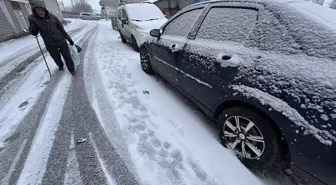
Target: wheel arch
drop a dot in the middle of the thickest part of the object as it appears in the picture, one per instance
(286, 161)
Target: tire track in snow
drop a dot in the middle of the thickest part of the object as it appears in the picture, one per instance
(5, 181)
(59, 155)
(36, 161)
(79, 115)
(26, 130)
(108, 177)
(72, 174)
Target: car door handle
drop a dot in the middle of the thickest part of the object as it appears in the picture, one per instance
(226, 57)
(174, 48)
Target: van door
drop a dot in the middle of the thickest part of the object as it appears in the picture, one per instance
(126, 27)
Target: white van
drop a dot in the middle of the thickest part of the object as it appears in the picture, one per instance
(136, 20)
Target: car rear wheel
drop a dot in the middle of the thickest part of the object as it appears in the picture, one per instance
(251, 136)
(122, 37)
(134, 44)
(145, 61)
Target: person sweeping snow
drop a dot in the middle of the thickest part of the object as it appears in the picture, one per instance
(53, 34)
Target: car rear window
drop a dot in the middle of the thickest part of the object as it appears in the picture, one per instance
(181, 25)
(233, 24)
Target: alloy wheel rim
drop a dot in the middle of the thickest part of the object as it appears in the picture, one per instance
(144, 59)
(244, 137)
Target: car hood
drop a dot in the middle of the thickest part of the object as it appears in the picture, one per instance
(148, 25)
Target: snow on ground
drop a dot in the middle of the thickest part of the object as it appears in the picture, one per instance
(12, 46)
(36, 162)
(21, 102)
(168, 141)
(14, 51)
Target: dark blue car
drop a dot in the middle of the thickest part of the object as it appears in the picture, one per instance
(265, 72)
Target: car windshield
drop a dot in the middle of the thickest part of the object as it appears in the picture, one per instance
(144, 12)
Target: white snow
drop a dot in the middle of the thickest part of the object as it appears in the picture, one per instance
(168, 142)
(143, 11)
(322, 14)
(72, 174)
(5, 180)
(109, 179)
(10, 113)
(36, 162)
(324, 136)
(13, 52)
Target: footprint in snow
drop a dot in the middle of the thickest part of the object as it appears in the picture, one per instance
(23, 105)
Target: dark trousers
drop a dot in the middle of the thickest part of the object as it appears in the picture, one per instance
(55, 53)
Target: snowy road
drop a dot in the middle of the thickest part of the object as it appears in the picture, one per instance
(110, 124)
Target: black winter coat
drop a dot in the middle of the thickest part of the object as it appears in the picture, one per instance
(50, 27)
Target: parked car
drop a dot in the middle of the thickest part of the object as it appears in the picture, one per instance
(136, 20)
(265, 72)
(86, 16)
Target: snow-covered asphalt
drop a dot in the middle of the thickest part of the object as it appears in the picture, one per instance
(110, 124)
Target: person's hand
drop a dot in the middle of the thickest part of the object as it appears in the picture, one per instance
(71, 42)
(34, 33)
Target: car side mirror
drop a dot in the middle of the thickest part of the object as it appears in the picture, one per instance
(124, 21)
(155, 33)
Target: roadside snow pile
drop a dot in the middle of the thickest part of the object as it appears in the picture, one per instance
(289, 112)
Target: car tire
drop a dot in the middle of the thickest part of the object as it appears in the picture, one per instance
(261, 141)
(145, 61)
(134, 44)
(123, 40)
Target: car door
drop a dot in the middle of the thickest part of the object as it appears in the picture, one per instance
(170, 44)
(119, 23)
(127, 28)
(211, 58)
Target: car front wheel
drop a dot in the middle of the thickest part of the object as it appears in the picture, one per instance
(251, 136)
(145, 61)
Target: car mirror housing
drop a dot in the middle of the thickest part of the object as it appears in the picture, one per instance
(155, 33)
(124, 21)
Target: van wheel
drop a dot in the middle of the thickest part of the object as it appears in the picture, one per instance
(134, 44)
(251, 136)
(122, 38)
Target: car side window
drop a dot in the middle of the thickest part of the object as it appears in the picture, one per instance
(119, 14)
(228, 24)
(181, 25)
(270, 34)
(124, 15)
